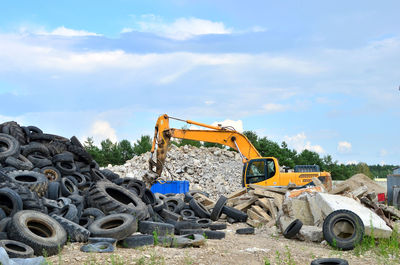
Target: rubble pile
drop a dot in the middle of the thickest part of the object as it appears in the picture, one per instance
(213, 169)
(52, 190)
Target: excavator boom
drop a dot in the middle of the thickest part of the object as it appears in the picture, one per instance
(214, 134)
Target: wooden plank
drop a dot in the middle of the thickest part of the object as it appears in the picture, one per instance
(253, 215)
(236, 193)
(253, 223)
(274, 213)
(245, 205)
(257, 209)
(268, 194)
(278, 202)
(268, 188)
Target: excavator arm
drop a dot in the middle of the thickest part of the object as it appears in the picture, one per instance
(214, 134)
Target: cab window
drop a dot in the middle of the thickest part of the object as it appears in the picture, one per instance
(255, 172)
(271, 168)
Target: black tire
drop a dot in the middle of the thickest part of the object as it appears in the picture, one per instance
(111, 176)
(35, 148)
(75, 232)
(35, 181)
(54, 191)
(39, 231)
(159, 205)
(3, 235)
(4, 224)
(45, 137)
(109, 198)
(117, 226)
(75, 141)
(102, 239)
(174, 204)
(93, 213)
(80, 179)
(329, 261)
(136, 241)
(39, 160)
(148, 197)
(15, 131)
(66, 167)
(16, 249)
(30, 199)
(99, 247)
(2, 214)
(236, 214)
(217, 226)
(136, 188)
(161, 229)
(185, 225)
(68, 187)
(20, 162)
(245, 231)
(10, 201)
(34, 130)
(214, 234)
(217, 210)
(11, 146)
(97, 175)
(81, 153)
(51, 173)
(69, 212)
(204, 222)
(344, 240)
(78, 201)
(56, 147)
(185, 213)
(189, 195)
(85, 221)
(199, 209)
(168, 215)
(292, 229)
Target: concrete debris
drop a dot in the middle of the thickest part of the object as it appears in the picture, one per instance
(217, 171)
(372, 222)
(310, 234)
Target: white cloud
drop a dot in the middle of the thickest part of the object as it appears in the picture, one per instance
(180, 29)
(351, 162)
(102, 130)
(66, 32)
(344, 147)
(383, 152)
(299, 143)
(274, 107)
(209, 102)
(237, 125)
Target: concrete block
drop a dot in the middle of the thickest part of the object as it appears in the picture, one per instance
(297, 208)
(329, 203)
(310, 234)
(315, 210)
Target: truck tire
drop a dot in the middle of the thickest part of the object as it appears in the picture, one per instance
(12, 146)
(292, 229)
(30, 200)
(343, 229)
(20, 162)
(136, 241)
(217, 226)
(35, 148)
(235, 214)
(162, 229)
(217, 210)
(16, 249)
(117, 226)
(329, 261)
(35, 181)
(38, 230)
(245, 231)
(51, 173)
(10, 201)
(75, 232)
(109, 197)
(199, 209)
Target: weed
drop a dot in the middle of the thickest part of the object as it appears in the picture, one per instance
(266, 261)
(155, 235)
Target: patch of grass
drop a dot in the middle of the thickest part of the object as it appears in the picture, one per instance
(286, 259)
(155, 235)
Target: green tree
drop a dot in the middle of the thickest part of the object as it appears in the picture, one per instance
(142, 145)
(364, 169)
(93, 150)
(126, 150)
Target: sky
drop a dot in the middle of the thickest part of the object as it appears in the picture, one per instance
(319, 75)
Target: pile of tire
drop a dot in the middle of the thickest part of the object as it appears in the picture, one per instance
(52, 190)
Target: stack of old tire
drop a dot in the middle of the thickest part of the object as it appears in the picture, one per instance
(51, 191)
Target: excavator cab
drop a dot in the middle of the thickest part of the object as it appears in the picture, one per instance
(260, 171)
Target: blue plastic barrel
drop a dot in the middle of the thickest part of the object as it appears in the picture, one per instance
(176, 186)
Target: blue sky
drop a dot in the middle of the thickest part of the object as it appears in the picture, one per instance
(319, 75)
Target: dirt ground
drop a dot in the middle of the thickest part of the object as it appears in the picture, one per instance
(263, 247)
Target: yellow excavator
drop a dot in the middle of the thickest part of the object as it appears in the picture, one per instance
(264, 171)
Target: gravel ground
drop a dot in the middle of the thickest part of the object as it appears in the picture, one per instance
(263, 247)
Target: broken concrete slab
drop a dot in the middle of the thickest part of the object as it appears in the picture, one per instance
(297, 208)
(310, 234)
(359, 191)
(236, 193)
(372, 222)
(268, 188)
(315, 210)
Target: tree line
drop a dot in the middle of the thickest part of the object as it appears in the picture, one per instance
(119, 152)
